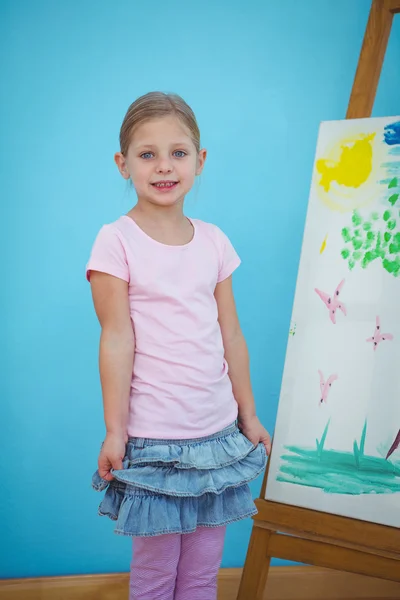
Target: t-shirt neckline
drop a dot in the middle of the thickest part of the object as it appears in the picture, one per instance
(161, 244)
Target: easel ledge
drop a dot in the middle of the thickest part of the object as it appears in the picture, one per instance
(308, 536)
(365, 548)
(319, 539)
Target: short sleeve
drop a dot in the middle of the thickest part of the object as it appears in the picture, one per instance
(228, 257)
(108, 255)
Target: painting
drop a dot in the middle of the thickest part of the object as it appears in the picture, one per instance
(336, 444)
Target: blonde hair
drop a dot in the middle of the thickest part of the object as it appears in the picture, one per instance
(155, 105)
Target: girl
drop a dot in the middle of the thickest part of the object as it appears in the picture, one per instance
(183, 439)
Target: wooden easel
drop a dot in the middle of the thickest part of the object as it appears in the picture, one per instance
(308, 536)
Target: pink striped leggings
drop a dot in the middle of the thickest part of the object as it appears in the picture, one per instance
(177, 567)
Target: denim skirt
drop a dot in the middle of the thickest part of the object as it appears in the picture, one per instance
(175, 486)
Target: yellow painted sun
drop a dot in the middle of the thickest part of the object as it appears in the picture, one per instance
(347, 176)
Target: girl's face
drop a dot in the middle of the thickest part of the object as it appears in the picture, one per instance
(161, 161)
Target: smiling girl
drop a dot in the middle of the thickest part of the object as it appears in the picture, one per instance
(182, 436)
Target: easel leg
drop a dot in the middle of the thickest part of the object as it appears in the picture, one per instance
(256, 567)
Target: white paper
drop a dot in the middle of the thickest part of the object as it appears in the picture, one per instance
(332, 373)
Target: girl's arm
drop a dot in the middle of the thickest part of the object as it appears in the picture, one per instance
(237, 357)
(111, 302)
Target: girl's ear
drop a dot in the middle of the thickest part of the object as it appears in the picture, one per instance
(120, 161)
(201, 159)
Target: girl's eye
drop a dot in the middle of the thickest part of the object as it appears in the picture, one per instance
(179, 153)
(146, 155)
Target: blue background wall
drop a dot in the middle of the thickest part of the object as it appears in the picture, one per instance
(260, 76)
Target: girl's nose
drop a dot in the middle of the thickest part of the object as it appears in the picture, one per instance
(164, 166)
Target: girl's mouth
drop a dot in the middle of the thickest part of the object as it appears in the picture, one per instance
(165, 186)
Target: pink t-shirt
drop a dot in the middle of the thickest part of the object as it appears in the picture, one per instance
(180, 386)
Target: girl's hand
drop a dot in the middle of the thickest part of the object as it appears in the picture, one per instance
(111, 455)
(255, 432)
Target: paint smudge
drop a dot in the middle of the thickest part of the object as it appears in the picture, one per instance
(378, 238)
(353, 167)
(391, 167)
(325, 386)
(378, 336)
(332, 302)
(395, 445)
(366, 244)
(323, 245)
(292, 330)
(392, 133)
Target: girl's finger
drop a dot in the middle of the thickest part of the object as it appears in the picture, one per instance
(117, 464)
(267, 444)
(104, 473)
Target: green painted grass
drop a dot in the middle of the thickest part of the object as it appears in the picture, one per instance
(320, 444)
(338, 472)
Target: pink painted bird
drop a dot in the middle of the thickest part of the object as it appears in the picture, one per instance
(325, 386)
(379, 337)
(332, 302)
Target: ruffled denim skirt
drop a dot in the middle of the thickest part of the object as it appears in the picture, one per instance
(175, 486)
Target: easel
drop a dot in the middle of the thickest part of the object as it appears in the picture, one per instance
(308, 536)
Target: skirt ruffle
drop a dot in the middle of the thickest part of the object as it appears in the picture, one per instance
(169, 486)
(139, 513)
(213, 454)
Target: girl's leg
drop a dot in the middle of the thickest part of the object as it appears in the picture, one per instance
(201, 555)
(154, 567)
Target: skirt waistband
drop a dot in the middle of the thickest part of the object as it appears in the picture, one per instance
(142, 442)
